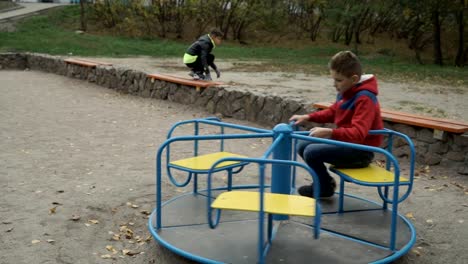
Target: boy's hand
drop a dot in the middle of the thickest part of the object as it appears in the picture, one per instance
(299, 119)
(218, 73)
(321, 132)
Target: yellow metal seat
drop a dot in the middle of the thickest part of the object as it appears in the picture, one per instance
(273, 203)
(204, 162)
(372, 174)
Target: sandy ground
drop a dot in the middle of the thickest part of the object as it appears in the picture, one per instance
(77, 171)
(413, 97)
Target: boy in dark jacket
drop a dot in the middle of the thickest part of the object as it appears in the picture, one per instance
(355, 112)
(198, 56)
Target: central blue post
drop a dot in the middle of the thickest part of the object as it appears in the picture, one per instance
(281, 174)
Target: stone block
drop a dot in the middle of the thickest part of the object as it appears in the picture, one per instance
(439, 147)
(425, 135)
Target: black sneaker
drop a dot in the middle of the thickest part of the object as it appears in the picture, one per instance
(198, 76)
(308, 190)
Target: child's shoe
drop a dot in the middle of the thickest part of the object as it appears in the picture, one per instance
(198, 76)
(325, 192)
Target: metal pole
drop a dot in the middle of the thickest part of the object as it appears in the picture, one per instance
(281, 174)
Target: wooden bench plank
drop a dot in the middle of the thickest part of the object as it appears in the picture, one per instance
(82, 63)
(448, 125)
(274, 203)
(86, 63)
(184, 81)
(94, 61)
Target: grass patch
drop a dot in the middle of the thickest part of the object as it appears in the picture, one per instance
(54, 33)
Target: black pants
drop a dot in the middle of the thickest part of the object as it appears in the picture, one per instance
(316, 154)
(197, 65)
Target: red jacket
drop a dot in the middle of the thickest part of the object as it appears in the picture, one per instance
(355, 113)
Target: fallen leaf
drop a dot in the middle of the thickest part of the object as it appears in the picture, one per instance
(129, 252)
(458, 185)
(53, 210)
(75, 217)
(416, 252)
(116, 237)
(51, 241)
(35, 241)
(93, 221)
(106, 256)
(145, 212)
(410, 215)
(135, 206)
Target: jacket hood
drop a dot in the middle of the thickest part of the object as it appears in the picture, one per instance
(367, 82)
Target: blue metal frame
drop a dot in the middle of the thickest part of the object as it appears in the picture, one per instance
(391, 161)
(284, 164)
(261, 161)
(214, 121)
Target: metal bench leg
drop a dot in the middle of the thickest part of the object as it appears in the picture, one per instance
(270, 227)
(195, 183)
(341, 197)
(393, 228)
(385, 204)
(229, 180)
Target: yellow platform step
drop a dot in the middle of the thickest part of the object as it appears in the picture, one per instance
(371, 174)
(204, 162)
(274, 203)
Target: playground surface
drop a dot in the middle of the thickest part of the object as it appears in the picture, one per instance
(78, 182)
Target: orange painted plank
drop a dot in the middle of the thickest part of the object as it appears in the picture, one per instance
(83, 63)
(450, 121)
(448, 125)
(92, 61)
(183, 81)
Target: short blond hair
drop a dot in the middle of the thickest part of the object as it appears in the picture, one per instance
(345, 63)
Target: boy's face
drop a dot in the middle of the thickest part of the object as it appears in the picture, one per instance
(343, 83)
(217, 40)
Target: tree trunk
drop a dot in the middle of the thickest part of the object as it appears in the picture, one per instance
(83, 15)
(460, 58)
(358, 30)
(436, 38)
(315, 29)
(349, 33)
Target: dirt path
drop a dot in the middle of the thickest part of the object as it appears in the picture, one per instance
(77, 171)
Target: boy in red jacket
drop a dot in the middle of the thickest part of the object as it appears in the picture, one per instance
(355, 112)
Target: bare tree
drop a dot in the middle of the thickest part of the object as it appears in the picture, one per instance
(83, 19)
(460, 58)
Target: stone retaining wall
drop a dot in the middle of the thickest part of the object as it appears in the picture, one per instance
(236, 102)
